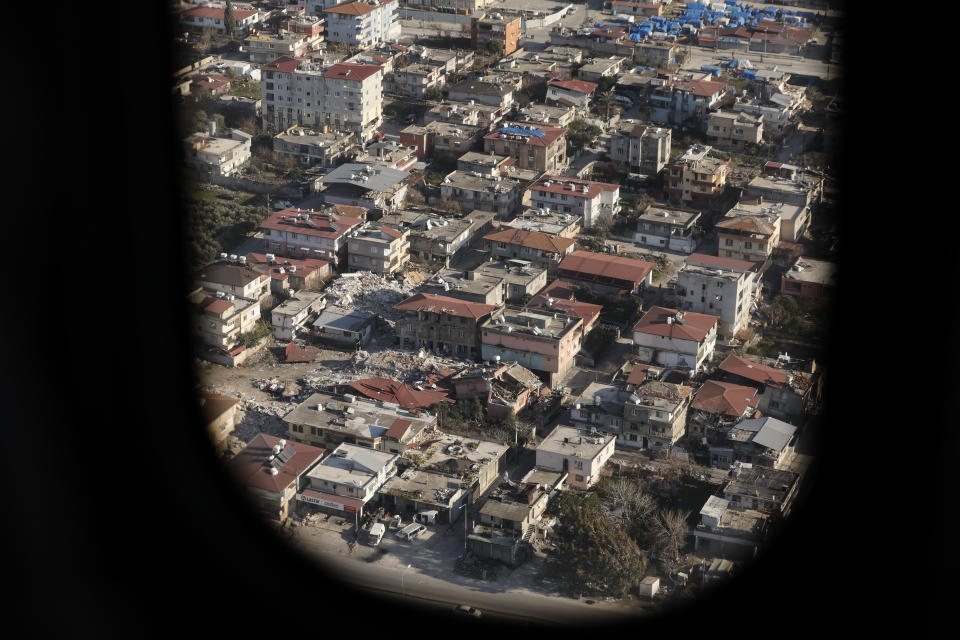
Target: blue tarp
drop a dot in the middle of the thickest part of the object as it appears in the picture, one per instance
(523, 131)
(635, 37)
(734, 63)
(750, 74)
(710, 68)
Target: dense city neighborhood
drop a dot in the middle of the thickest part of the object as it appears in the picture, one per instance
(532, 293)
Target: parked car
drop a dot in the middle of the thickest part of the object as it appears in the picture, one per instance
(411, 531)
(467, 610)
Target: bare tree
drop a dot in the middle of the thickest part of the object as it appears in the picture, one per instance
(671, 530)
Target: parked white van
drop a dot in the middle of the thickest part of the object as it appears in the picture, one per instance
(375, 535)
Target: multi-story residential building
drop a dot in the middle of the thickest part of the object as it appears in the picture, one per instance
(623, 7)
(668, 229)
(641, 148)
(444, 140)
(651, 416)
(728, 533)
(746, 236)
(370, 185)
(574, 93)
(462, 114)
(415, 80)
(489, 27)
(435, 239)
(809, 279)
(495, 94)
(718, 404)
(597, 68)
(234, 277)
(522, 279)
(506, 522)
(713, 290)
(294, 313)
(776, 117)
(442, 323)
(791, 199)
(733, 130)
(221, 318)
(212, 18)
(379, 248)
(389, 153)
(561, 296)
(471, 286)
(503, 196)
(761, 442)
(486, 164)
(553, 115)
(536, 147)
(218, 156)
(302, 24)
(782, 393)
(694, 179)
(267, 47)
(329, 420)
(605, 274)
(363, 24)
(310, 148)
(675, 338)
(761, 489)
(577, 453)
(548, 220)
(308, 234)
(687, 102)
(542, 249)
(343, 327)
(541, 341)
(220, 416)
(273, 471)
(594, 201)
(288, 274)
(348, 479)
(346, 97)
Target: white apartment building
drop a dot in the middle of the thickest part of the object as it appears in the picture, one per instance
(724, 293)
(378, 248)
(219, 156)
(346, 97)
(294, 312)
(671, 338)
(577, 453)
(363, 24)
(588, 198)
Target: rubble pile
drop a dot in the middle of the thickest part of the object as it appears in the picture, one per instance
(371, 292)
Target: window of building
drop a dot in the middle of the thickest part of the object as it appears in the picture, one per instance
(728, 242)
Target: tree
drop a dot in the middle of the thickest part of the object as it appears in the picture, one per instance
(495, 47)
(580, 134)
(607, 98)
(476, 410)
(228, 21)
(595, 554)
(671, 532)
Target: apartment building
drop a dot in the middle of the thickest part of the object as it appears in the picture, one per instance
(442, 323)
(345, 97)
(267, 47)
(790, 198)
(694, 179)
(641, 148)
(592, 200)
(687, 102)
(379, 248)
(308, 234)
(415, 80)
(575, 452)
(542, 249)
(363, 24)
(293, 314)
(500, 195)
(273, 471)
(810, 280)
(494, 26)
(436, 239)
(291, 273)
(348, 479)
(751, 237)
(231, 275)
(329, 420)
(548, 220)
(310, 148)
(201, 18)
(445, 140)
(493, 94)
(670, 337)
(544, 342)
(734, 131)
(218, 156)
(606, 274)
(708, 285)
(668, 229)
(536, 147)
(572, 93)
(219, 319)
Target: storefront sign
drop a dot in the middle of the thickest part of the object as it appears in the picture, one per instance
(323, 503)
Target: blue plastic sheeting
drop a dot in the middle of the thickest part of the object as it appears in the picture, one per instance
(749, 74)
(645, 31)
(806, 15)
(635, 37)
(517, 130)
(710, 68)
(599, 25)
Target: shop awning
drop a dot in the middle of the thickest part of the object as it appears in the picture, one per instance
(350, 505)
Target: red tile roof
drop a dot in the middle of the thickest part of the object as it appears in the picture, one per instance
(639, 373)
(351, 71)
(562, 185)
(210, 80)
(578, 86)
(283, 64)
(404, 395)
(251, 467)
(532, 239)
(751, 224)
(397, 429)
(706, 88)
(755, 371)
(215, 405)
(695, 326)
(327, 225)
(718, 261)
(442, 304)
(599, 264)
(560, 289)
(351, 9)
(564, 303)
(305, 266)
(723, 397)
(390, 231)
(295, 353)
(218, 306)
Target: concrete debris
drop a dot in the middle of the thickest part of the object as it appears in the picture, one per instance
(371, 292)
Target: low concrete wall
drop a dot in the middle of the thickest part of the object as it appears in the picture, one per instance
(536, 23)
(245, 184)
(433, 16)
